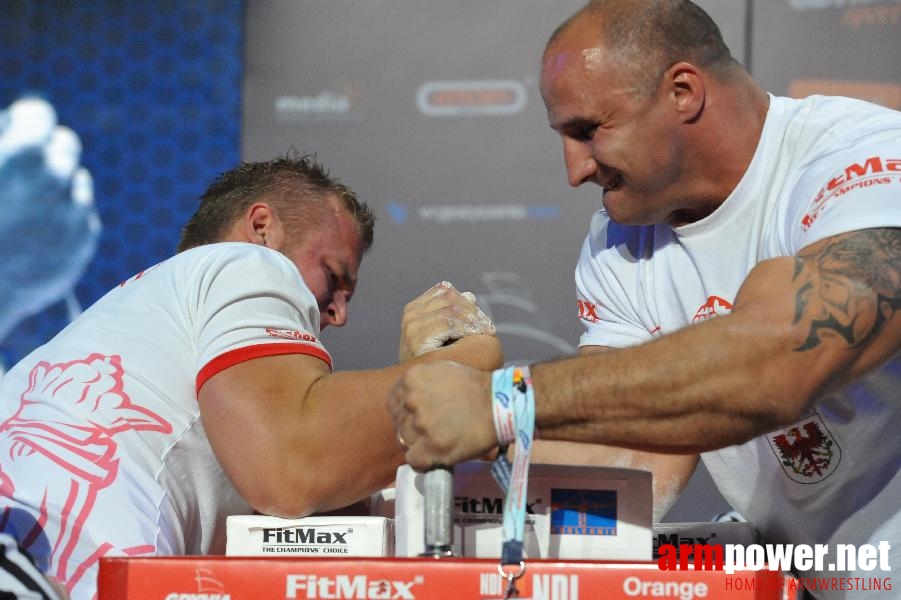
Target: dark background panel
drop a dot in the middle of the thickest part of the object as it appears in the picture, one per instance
(358, 110)
(414, 169)
(842, 47)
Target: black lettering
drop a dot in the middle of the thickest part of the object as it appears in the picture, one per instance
(305, 536)
(339, 538)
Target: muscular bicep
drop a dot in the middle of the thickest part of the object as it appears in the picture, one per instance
(848, 291)
(295, 438)
(245, 411)
(838, 298)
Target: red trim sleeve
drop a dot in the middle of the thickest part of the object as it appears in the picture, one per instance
(239, 355)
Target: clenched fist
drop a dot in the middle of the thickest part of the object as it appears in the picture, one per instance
(440, 315)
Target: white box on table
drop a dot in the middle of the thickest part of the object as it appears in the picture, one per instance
(574, 512)
(259, 535)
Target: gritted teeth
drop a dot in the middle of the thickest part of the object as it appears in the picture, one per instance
(612, 183)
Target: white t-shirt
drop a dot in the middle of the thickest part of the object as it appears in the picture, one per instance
(104, 452)
(823, 166)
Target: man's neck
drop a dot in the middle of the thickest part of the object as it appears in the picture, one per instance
(726, 143)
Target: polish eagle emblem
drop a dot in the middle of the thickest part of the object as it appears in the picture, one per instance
(807, 451)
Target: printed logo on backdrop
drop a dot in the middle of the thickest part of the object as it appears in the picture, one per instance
(489, 97)
(806, 450)
(857, 13)
(508, 304)
(319, 105)
(44, 190)
(457, 213)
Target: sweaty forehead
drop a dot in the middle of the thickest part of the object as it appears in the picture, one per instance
(574, 62)
(573, 71)
(578, 47)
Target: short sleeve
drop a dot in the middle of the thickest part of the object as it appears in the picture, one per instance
(252, 302)
(606, 285)
(857, 188)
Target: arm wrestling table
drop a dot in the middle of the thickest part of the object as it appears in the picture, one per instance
(264, 578)
(436, 575)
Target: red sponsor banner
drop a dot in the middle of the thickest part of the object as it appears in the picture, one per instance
(264, 578)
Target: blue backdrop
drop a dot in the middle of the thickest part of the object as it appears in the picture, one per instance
(153, 92)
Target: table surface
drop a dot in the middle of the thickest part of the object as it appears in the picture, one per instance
(265, 578)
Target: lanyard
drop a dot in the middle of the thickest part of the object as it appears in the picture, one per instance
(513, 408)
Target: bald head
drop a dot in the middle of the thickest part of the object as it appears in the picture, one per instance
(645, 37)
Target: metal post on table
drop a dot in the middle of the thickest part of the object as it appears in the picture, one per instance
(438, 492)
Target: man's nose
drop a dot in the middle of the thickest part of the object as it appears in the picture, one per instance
(335, 313)
(580, 165)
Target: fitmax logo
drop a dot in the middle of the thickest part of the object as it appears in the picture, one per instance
(349, 587)
(487, 505)
(303, 535)
(875, 170)
(674, 539)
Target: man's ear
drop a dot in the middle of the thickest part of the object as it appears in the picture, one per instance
(688, 89)
(261, 226)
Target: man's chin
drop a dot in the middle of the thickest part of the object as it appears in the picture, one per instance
(622, 216)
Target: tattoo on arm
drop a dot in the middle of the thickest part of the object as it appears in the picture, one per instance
(849, 287)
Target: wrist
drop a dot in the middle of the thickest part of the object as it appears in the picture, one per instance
(511, 393)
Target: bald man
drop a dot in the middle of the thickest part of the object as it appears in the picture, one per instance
(740, 288)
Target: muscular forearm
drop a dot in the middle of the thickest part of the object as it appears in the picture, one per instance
(681, 393)
(800, 326)
(348, 447)
(725, 380)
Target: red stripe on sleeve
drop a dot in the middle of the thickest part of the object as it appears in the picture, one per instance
(239, 355)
